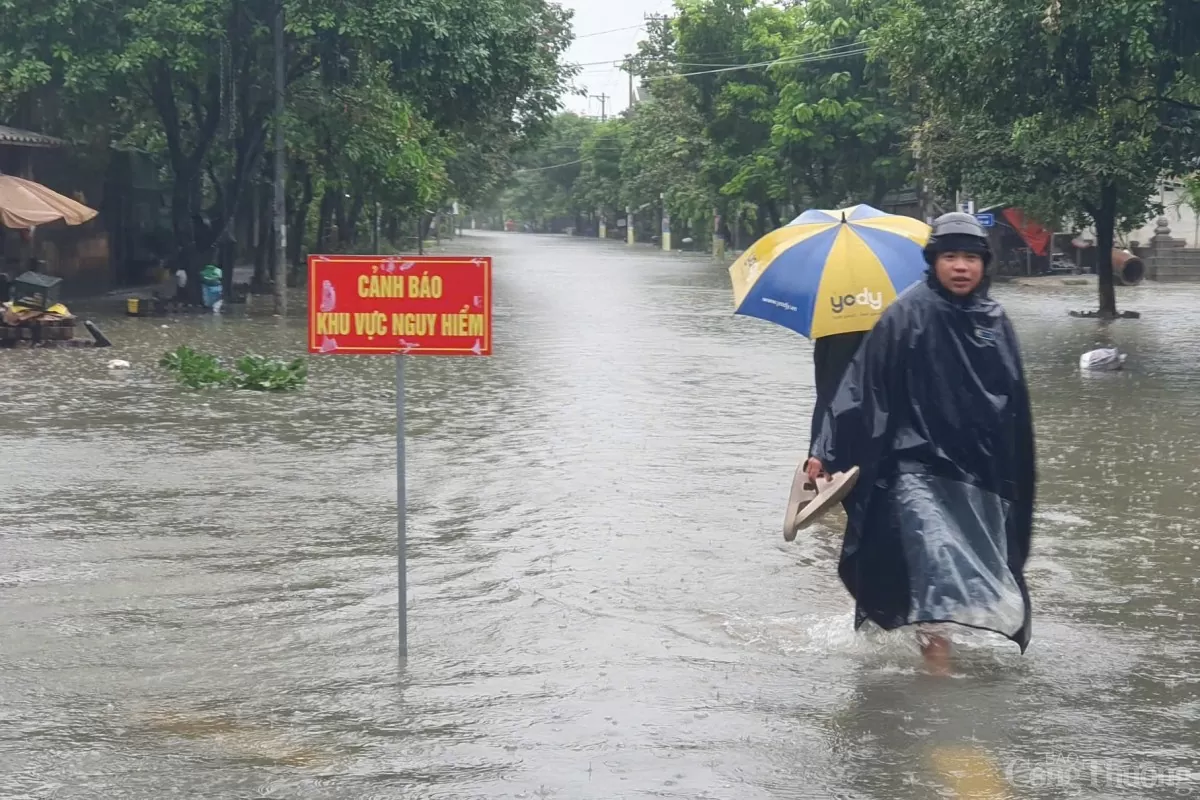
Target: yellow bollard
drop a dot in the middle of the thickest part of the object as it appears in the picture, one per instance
(970, 774)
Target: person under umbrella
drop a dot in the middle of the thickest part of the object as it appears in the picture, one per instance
(810, 496)
(828, 275)
(935, 412)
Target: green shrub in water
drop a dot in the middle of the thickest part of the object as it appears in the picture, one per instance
(269, 375)
(195, 370)
(259, 373)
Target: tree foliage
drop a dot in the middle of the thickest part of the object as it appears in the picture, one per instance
(756, 111)
(751, 109)
(1071, 111)
(407, 105)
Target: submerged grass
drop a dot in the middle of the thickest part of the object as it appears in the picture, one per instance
(197, 370)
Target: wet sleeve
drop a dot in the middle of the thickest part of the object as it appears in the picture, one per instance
(855, 423)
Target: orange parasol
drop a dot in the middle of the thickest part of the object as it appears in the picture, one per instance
(24, 204)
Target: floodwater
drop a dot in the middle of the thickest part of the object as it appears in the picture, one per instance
(198, 590)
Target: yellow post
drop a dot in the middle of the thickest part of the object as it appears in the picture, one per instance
(970, 774)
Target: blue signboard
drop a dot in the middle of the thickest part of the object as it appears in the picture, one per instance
(987, 220)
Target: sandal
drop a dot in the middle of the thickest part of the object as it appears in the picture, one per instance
(833, 489)
(804, 491)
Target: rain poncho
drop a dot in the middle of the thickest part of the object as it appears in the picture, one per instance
(831, 358)
(211, 289)
(934, 411)
(211, 275)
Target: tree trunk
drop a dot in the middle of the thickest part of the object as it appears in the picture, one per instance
(298, 229)
(880, 192)
(350, 235)
(773, 211)
(1106, 220)
(339, 214)
(262, 239)
(324, 219)
(185, 240)
(186, 166)
(247, 154)
(243, 230)
(762, 221)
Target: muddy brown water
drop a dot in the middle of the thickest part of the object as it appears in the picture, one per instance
(198, 590)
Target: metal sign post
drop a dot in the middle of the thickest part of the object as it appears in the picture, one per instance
(401, 511)
(400, 306)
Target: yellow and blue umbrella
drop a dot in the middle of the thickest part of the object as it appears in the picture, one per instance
(829, 272)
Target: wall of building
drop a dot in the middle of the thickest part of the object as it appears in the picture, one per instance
(1184, 222)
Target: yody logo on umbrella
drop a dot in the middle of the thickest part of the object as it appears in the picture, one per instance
(864, 298)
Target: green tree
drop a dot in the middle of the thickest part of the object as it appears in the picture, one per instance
(664, 158)
(405, 104)
(737, 104)
(599, 184)
(542, 189)
(841, 126)
(1071, 110)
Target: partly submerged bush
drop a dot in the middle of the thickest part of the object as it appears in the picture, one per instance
(268, 374)
(195, 370)
(203, 371)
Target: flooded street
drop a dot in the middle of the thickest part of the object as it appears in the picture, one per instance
(199, 589)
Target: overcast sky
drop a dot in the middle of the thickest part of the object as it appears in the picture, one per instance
(597, 40)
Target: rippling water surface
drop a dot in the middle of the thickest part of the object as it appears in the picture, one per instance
(198, 590)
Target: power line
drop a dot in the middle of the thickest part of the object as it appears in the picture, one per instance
(621, 66)
(620, 62)
(611, 30)
(552, 166)
(805, 59)
(734, 53)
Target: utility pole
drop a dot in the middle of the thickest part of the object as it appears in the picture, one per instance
(603, 98)
(280, 163)
(629, 68)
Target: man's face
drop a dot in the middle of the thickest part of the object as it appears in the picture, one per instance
(959, 272)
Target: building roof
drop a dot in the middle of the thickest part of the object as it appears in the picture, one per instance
(15, 137)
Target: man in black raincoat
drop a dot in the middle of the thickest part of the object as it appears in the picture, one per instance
(935, 411)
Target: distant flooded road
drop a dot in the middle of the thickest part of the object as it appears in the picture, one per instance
(198, 590)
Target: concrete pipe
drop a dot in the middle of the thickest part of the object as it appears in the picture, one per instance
(1128, 269)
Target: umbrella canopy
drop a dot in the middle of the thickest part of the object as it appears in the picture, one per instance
(829, 272)
(24, 204)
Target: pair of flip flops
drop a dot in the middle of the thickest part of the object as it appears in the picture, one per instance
(810, 499)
